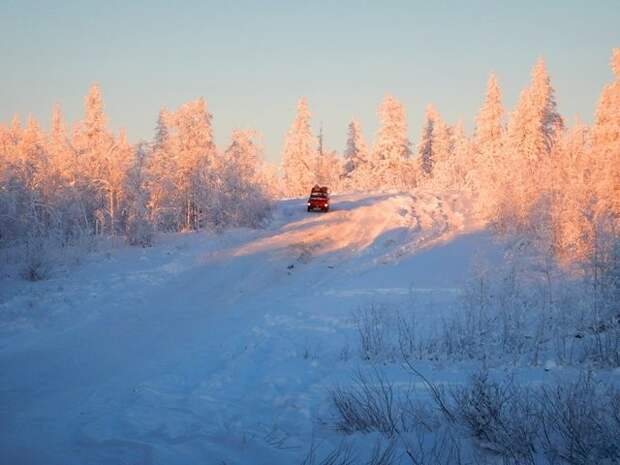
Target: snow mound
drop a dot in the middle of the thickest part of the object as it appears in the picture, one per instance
(388, 225)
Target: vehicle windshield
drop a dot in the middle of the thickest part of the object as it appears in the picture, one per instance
(318, 195)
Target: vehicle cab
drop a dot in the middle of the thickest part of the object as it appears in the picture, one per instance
(319, 199)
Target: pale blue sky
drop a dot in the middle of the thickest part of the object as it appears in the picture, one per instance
(252, 60)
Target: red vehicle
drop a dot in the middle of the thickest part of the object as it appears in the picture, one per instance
(319, 199)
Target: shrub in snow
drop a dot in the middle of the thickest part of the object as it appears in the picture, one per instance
(580, 422)
(139, 232)
(346, 454)
(369, 404)
(38, 258)
(501, 417)
(571, 422)
(525, 312)
(374, 324)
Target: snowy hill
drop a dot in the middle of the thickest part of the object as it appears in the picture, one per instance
(219, 348)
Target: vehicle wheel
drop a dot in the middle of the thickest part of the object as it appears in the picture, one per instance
(308, 208)
(326, 210)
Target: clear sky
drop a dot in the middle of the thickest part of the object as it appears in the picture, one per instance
(252, 60)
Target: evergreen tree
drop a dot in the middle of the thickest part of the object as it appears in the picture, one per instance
(392, 147)
(434, 145)
(356, 150)
(571, 214)
(488, 160)
(93, 143)
(533, 128)
(357, 170)
(299, 155)
(606, 146)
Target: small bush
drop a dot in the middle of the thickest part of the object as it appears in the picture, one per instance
(370, 404)
(139, 232)
(500, 416)
(374, 326)
(581, 422)
(343, 455)
(38, 258)
(575, 423)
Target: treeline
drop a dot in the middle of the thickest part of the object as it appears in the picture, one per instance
(527, 171)
(88, 181)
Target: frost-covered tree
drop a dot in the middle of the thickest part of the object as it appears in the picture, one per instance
(606, 146)
(572, 193)
(138, 228)
(426, 150)
(164, 200)
(33, 170)
(245, 192)
(356, 150)
(434, 144)
(489, 127)
(196, 154)
(191, 185)
(92, 137)
(118, 163)
(357, 171)
(59, 149)
(93, 145)
(330, 173)
(299, 156)
(534, 127)
(392, 148)
(459, 163)
(487, 153)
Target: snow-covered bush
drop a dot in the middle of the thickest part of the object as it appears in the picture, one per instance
(500, 416)
(484, 420)
(580, 422)
(374, 325)
(371, 403)
(38, 259)
(139, 232)
(525, 312)
(346, 454)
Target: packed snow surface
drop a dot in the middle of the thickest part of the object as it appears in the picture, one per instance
(213, 348)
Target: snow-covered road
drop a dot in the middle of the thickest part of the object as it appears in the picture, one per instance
(216, 349)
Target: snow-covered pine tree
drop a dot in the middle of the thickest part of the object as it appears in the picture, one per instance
(92, 143)
(299, 154)
(572, 193)
(459, 163)
(606, 146)
(426, 152)
(434, 144)
(59, 150)
(392, 148)
(488, 161)
(533, 128)
(355, 153)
